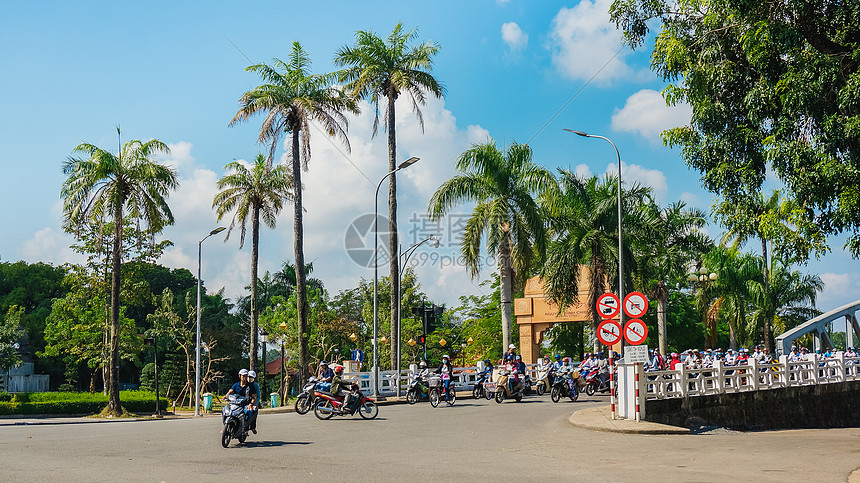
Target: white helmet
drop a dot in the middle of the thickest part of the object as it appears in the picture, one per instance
(422, 364)
(252, 374)
(243, 372)
(512, 346)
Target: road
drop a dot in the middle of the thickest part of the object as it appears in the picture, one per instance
(470, 441)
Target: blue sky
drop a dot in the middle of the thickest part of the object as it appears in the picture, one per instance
(513, 70)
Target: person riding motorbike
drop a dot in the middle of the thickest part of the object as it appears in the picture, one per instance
(510, 356)
(446, 372)
(338, 383)
(252, 409)
(243, 389)
(557, 363)
(325, 376)
(566, 372)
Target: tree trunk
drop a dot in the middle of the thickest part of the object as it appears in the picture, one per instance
(255, 257)
(301, 289)
(768, 318)
(114, 406)
(505, 287)
(661, 317)
(393, 250)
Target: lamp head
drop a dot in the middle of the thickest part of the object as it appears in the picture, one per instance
(408, 162)
(217, 230)
(580, 133)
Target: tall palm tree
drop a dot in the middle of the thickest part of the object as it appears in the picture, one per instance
(256, 193)
(787, 299)
(377, 68)
(771, 220)
(505, 188)
(584, 222)
(292, 97)
(671, 241)
(130, 184)
(726, 298)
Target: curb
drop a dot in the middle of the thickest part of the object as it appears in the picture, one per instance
(598, 419)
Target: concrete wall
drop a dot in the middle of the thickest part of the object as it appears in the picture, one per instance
(818, 406)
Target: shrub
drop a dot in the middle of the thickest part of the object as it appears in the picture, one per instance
(21, 397)
(5, 397)
(77, 403)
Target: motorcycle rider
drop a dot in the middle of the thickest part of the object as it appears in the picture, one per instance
(338, 383)
(566, 372)
(253, 408)
(510, 356)
(243, 389)
(446, 372)
(325, 376)
(557, 363)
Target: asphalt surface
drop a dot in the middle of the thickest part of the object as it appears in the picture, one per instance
(470, 441)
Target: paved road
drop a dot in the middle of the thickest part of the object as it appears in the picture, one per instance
(471, 441)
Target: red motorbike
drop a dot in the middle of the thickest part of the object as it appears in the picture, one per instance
(595, 381)
(329, 405)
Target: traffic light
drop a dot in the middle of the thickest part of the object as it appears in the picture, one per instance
(422, 340)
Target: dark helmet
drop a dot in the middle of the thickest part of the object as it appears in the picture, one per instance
(487, 362)
(557, 356)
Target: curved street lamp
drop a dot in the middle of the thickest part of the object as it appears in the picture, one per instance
(405, 164)
(197, 343)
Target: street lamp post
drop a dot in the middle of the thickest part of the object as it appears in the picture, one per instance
(264, 337)
(409, 251)
(405, 164)
(620, 261)
(197, 342)
(281, 389)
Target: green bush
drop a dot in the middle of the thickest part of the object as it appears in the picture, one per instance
(5, 397)
(77, 403)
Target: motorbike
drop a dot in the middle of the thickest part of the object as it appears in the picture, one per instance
(527, 384)
(417, 389)
(544, 383)
(329, 405)
(306, 400)
(561, 388)
(507, 388)
(233, 419)
(595, 381)
(479, 389)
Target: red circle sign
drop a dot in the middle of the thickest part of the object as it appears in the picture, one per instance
(608, 306)
(635, 331)
(635, 305)
(609, 332)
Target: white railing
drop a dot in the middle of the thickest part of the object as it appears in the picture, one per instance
(753, 376)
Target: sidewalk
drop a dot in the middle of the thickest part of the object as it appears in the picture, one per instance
(598, 418)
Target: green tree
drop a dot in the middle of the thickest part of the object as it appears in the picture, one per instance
(505, 187)
(672, 240)
(480, 317)
(256, 193)
(292, 98)
(107, 186)
(11, 334)
(727, 298)
(774, 222)
(584, 221)
(773, 85)
(784, 300)
(377, 68)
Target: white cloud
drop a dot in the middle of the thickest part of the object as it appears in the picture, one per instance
(583, 171)
(584, 42)
(839, 289)
(647, 114)
(634, 173)
(49, 246)
(514, 36)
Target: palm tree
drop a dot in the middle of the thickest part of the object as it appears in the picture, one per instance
(726, 298)
(377, 68)
(102, 186)
(292, 98)
(787, 299)
(671, 241)
(504, 187)
(773, 220)
(584, 222)
(258, 193)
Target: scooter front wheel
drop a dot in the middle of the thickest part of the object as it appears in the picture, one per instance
(226, 435)
(303, 403)
(500, 396)
(555, 394)
(434, 397)
(477, 391)
(324, 410)
(589, 389)
(368, 410)
(540, 389)
(412, 396)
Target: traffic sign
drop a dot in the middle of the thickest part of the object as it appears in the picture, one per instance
(608, 306)
(636, 353)
(635, 305)
(609, 332)
(635, 331)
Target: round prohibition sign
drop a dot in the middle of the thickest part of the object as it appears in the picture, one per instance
(635, 331)
(609, 332)
(608, 306)
(635, 305)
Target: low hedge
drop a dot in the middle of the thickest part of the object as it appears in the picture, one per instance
(78, 403)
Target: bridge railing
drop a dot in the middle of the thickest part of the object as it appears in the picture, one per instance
(753, 376)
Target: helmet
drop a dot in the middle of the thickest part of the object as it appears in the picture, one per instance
(243, 372)
(422, 364)
(445, 357)
(557, 356)
(338, 370)
(252, 374)
(487, 361)
(323, 363)
(519, 358)
(566, 359)
(511, 346)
